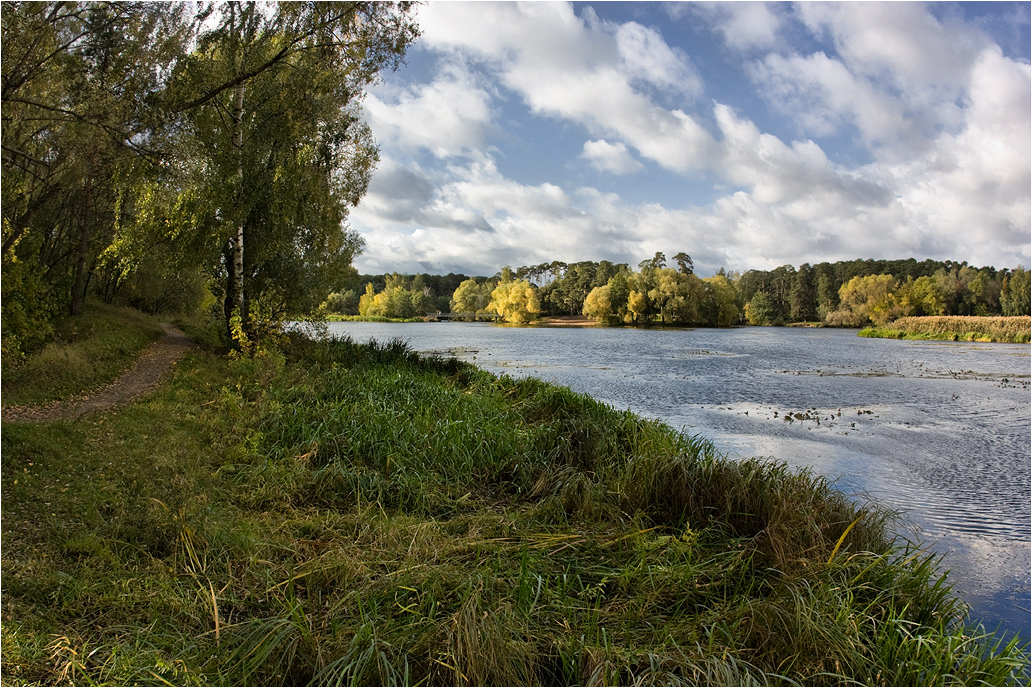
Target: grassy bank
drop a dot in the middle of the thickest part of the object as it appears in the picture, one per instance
(334, 317)
(88, 351)
(358, 514)
(954, 328)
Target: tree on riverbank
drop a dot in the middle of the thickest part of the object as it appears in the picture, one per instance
(138, 138)
(516, 301)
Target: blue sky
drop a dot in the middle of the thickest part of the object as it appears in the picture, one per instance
(749, 135)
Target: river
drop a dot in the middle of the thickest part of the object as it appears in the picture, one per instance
(939, 431)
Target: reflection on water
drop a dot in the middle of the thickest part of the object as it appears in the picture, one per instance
(939, 431)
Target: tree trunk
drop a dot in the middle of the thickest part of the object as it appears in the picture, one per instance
(237, 272)
(79, 283)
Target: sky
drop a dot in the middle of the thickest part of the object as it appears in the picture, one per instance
(748, 135)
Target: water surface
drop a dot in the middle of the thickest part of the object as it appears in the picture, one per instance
(938, 430)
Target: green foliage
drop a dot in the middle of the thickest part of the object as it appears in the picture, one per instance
(345, 303)
(871, 299)
(760, 310)
(924, 296)
(1016, 294)
(126, 172)
(720, 306)
(397, 301)
(27, 306)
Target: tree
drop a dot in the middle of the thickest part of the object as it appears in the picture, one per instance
(121, 149)
(638, 306)
(685, 264)
(678, 297)
(868, 299)
(619, 293)
(827, 290)
(654, 263)
(271, 96)
(1016, 295)
(471, 297)
(922, 296)
(720, 307)
(761, 309)
(802, 295)
(76, 86)
(515, 301)
(597, 305)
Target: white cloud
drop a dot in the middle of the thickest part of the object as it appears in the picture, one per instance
(610, 157)
(822, 95)
(744, 25)
(646, 56)
(974, 185)
(898, 41)
(581, 70)
(449, 116)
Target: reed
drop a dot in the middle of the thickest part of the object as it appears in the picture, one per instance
(1013, 329)
(343, 513)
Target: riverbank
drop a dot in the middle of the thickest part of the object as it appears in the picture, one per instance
(956, 328)
(338, 512)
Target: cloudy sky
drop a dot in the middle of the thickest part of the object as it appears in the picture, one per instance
(748, 135)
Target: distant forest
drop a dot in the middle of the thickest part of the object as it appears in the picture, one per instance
(845, 293)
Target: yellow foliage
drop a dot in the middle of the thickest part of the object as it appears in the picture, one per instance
(516, 302)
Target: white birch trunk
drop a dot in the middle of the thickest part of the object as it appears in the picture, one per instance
(238, 240)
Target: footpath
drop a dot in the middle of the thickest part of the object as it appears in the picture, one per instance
(156, 360)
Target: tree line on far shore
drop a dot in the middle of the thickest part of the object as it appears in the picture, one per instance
(845, 293)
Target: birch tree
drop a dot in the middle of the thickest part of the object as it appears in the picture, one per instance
(271, 95)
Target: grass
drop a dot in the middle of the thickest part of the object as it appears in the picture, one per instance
(1014, 329)
(334, 317)
(90, 350)
(357, 514)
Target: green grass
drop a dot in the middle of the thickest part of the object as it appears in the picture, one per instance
(1013, 329)
(344, 513)
(89, 350)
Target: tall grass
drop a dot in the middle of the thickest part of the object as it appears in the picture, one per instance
(1015, 329)
(358, 514)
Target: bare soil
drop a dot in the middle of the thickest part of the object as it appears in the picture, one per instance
(145, 374)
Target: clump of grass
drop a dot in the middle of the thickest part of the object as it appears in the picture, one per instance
(1013, 329)
(358, 514)
(88, 351)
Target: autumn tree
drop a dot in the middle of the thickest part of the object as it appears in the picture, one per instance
(598, 306)
(516, 301)
(867, 299)
(471, 297)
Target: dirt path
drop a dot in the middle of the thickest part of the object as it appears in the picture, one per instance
(156, 360)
